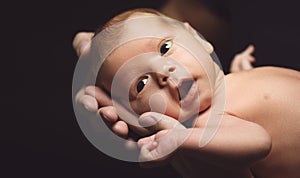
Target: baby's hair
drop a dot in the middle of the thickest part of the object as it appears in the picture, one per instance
(125, 15)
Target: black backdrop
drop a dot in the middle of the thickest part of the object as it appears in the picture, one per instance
(40, 136)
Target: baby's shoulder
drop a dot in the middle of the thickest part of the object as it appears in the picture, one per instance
(264, 73)
(262, 78)
(261, 90)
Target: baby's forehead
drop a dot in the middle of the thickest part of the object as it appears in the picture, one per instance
(136, 29)
(133, 48)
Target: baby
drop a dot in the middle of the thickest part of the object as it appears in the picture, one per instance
(251, 118)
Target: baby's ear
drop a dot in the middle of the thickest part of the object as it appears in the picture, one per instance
(207, 46)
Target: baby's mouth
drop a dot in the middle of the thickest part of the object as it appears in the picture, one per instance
(184, 88)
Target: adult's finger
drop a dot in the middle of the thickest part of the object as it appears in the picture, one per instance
(157, 121)
(89, 102)
(109, 113)
(110, 117)
(102, 98)
(82, 41)
(120, 128)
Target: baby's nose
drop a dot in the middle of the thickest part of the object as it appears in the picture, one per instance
(164, 74)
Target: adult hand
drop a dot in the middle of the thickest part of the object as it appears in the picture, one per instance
(93, 98)
(82, 42)
(243, 61)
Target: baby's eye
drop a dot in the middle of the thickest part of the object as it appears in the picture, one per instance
(141, 84)
(165, 47)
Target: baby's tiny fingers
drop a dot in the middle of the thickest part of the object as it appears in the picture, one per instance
(146, 152)
(145, 140)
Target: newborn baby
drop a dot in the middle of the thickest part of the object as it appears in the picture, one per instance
(251, 119)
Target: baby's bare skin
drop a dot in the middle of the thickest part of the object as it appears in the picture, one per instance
(270, 97)
(261, 104)
(266, 96)
(260, 111)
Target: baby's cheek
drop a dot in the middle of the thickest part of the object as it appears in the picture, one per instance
(140, 106)
(156, 102)
(153, 103)
(161, 103)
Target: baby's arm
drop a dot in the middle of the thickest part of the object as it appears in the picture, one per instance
(236, 144)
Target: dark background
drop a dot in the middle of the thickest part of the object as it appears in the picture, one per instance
(40, 136)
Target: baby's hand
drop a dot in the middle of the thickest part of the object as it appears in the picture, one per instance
(243, 61)
(157, 149)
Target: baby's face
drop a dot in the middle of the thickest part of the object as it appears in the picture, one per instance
(169, 79)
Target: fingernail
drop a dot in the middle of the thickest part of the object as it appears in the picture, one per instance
(103, 115)
(100, 112)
